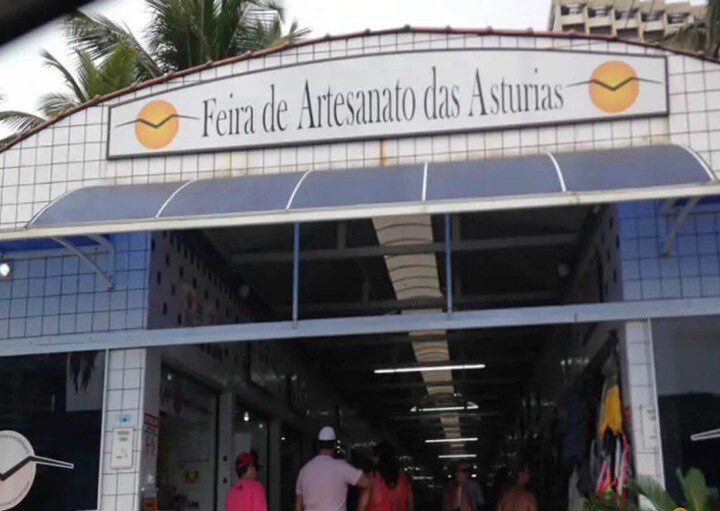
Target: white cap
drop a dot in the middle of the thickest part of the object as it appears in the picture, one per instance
(327, 434)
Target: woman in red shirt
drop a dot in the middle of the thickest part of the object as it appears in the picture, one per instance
(390, 490)
(248, 494)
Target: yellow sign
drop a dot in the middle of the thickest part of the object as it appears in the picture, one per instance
(157, 124)
(614, 86)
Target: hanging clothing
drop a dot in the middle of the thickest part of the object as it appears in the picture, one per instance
(611, 412)
(615, 469)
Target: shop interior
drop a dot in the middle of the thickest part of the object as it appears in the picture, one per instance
(513, 395)
(689, 400)
(548, 395)
(51, 397)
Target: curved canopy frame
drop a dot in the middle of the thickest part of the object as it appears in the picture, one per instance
(582, 177)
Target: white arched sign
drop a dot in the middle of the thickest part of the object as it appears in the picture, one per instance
(18, 467)
(389, 95)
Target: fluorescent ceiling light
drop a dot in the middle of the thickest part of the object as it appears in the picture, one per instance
(422, 369)
(454, 408)
(451, 440)
(456, 456)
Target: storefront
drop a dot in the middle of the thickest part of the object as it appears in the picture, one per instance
(372, 201)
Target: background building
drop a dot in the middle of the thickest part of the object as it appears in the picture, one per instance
(629, 19)
(265, 16)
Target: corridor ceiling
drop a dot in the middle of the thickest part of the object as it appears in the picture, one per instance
(350, 269)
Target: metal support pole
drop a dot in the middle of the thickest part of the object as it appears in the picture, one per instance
(84, 258)
(296, 274)
(677, 225)
(274, 462)
(448, 265)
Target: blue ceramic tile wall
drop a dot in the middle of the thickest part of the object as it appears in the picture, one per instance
(61, 295)
(691, 270)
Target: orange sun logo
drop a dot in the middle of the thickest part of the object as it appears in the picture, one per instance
(157, 124)
(614, 86)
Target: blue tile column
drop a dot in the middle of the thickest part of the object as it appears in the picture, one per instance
(691, 270)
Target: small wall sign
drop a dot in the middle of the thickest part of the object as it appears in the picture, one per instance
(121, 455)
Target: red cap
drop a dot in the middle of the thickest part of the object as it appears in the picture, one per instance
(245, 459)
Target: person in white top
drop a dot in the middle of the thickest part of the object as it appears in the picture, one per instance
(323, 482)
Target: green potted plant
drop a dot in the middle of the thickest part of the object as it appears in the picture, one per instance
(696, 495)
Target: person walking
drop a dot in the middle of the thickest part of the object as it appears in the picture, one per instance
(518, 497)
(248, 494)
(323, 482)
(456, 496)
(390, 490)
(477, 496)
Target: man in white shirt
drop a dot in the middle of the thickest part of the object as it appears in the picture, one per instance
(323, 482)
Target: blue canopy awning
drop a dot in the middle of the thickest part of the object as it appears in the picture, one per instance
(524, 181)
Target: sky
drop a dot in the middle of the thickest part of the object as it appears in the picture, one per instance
(25, 78)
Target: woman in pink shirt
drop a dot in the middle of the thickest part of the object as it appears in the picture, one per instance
(248, 494)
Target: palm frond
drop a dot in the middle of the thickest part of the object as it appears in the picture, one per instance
(98, 36)
(56, 103)
(712, 20)
(257, 36)
(185, 33)
(654, 492)
(174, 33)
(295, 33)
(6, 141)
(229, 24)
(688, 37)
(87, 74)
(703, 35)
(117, 71)
(70, 80)
(20, 121)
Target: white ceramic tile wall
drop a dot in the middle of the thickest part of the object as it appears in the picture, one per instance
(119, 489)
(62, 295)
(639, 398)
(70, 153)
